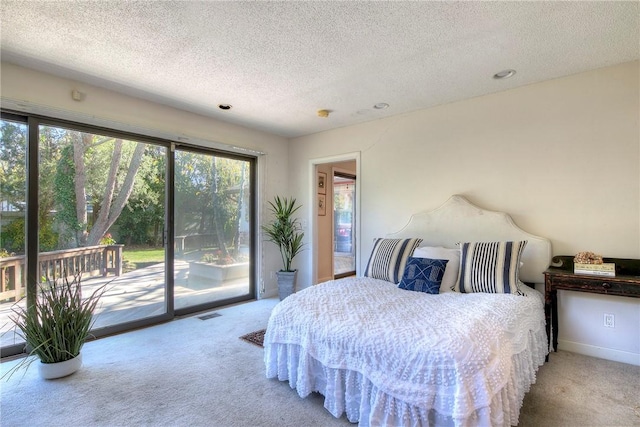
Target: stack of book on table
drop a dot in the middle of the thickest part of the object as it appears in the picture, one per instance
(604, 269)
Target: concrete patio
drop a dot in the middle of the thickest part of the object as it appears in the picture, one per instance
(140, 294)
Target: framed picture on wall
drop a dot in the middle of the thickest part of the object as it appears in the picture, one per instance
(322, 204)
(322, 183)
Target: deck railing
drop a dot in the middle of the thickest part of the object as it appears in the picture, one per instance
(90, 261)
(192, 242)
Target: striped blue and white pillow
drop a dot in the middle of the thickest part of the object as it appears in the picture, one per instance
(490, 267)
(389, 257)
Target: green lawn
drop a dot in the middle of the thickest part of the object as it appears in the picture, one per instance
(143, 255)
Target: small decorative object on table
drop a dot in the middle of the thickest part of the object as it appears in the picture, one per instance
(591, 263)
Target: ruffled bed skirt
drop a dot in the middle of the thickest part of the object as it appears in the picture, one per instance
(350, 392)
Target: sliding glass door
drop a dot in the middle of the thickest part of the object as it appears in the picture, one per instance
(212, 229)
(168, 230)
(101, 215)
(13, 218)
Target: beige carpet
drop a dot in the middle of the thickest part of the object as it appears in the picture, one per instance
(193, 372)
(576, 390)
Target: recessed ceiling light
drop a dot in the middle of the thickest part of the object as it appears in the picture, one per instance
(224, 106)
(381, 106)
(505, 74)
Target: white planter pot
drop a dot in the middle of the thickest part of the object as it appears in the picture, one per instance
(50, 371)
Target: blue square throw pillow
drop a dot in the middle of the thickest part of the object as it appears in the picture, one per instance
(423, 275)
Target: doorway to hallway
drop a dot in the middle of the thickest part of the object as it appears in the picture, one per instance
(344, 244)
(335, 218)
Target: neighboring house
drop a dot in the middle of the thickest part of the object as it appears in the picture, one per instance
(561, 156)
(9, 212)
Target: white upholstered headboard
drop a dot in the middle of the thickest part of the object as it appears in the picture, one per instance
(458, 220)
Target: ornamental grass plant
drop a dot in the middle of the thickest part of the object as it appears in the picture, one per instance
(56, 324)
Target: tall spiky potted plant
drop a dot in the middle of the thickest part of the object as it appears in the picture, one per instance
(285, 231)
(56, 325)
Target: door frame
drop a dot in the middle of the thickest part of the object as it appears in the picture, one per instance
(313, 213)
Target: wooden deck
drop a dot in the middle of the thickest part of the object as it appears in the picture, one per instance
(139, 294)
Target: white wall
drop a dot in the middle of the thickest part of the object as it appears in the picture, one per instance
(562, 157)
(36, 92)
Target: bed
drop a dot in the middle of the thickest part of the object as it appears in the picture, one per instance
(457, 343)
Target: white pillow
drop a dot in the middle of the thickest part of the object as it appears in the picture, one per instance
(450, 277)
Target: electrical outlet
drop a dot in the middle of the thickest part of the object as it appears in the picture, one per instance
(609, 320)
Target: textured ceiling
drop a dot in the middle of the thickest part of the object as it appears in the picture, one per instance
(277, 63)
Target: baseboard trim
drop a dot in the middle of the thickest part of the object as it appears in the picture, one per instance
(325, 279)
(600, 352)
(271, 293)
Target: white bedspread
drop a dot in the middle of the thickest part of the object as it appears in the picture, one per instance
(387, 356)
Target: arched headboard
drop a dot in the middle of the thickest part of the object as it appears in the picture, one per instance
(458, 220)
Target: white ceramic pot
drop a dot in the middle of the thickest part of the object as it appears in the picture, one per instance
(50, 371)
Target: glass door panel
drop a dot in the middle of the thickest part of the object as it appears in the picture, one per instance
(101, 214)
(13, 215)
(212, 229)
(344, 196)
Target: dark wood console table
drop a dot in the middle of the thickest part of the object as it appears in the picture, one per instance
(560, 275)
